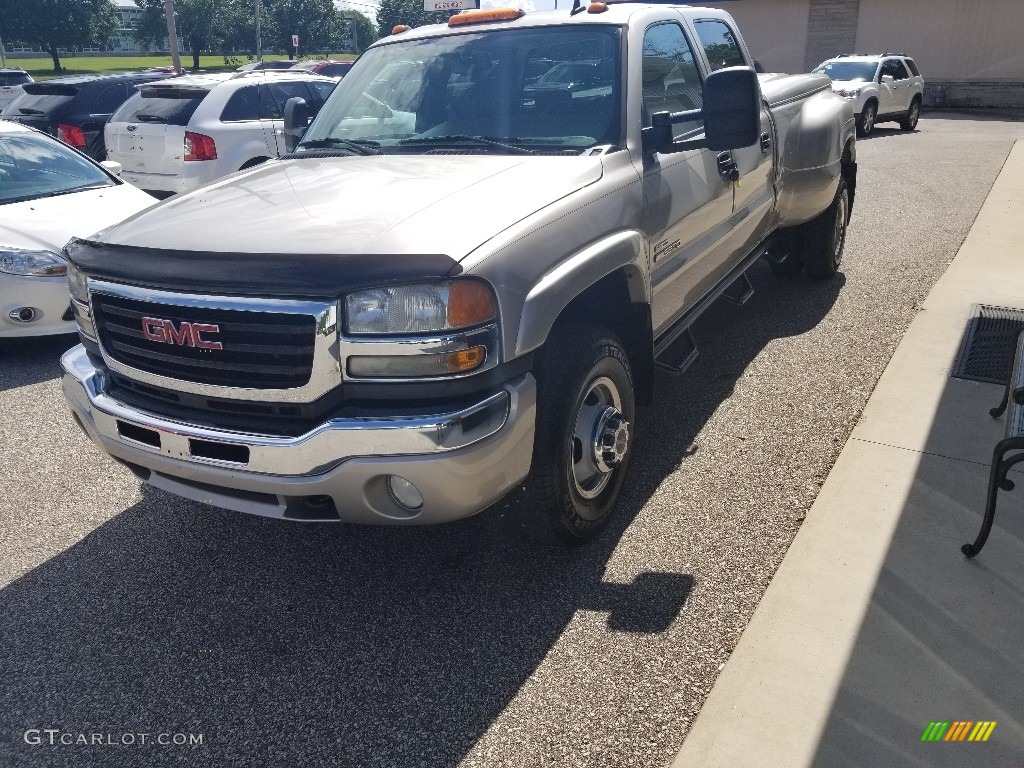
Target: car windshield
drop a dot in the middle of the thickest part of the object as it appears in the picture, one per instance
(479, 93)
(34, 166)
(854, 71)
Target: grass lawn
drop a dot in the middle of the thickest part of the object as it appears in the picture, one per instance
(42, 69)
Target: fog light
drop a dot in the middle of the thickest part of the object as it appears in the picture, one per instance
(23, 314)
(405, 493)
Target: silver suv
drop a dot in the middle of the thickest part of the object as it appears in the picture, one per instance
(884, 87)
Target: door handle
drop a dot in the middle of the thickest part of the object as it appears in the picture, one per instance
(727, 167)
(766, 143)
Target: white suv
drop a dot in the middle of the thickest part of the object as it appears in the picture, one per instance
(11, 82)
(884, 87)
(177, 135)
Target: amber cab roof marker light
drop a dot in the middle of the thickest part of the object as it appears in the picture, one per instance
(597, 8)
(399, 28)
(479, 17)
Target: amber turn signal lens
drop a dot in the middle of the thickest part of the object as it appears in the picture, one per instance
(469, 303)
(466, 359)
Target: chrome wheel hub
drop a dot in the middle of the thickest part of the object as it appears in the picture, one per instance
(600, 438)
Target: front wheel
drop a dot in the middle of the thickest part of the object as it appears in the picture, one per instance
(585, 422)
(821, 241)
(866, 121)
(909, 122)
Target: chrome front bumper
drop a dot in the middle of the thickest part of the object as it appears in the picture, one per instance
(461, 462)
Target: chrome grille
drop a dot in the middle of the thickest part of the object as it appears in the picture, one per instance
(260, 350)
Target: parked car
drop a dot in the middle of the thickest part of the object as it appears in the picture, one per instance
(883, 87)
(48, 194)
(435, 299)
(260, 66)
(177, 135)
(75, 109)
(326, 67)
(11, 82)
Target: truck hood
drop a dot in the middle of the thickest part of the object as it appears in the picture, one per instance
(386, 204)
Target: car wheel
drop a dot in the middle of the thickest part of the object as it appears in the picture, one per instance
(866, 121)
(909, 122)
(585, 417)
(820, 242)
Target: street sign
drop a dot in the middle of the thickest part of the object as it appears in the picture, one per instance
(295, 41)
(450, 5)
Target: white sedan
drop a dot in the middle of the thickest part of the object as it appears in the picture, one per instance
(49, 193)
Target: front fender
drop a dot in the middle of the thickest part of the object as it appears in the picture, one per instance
(558, 287)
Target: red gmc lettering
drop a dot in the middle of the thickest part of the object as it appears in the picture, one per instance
(185, 335)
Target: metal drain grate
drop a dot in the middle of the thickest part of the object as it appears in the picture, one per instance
(986, 351)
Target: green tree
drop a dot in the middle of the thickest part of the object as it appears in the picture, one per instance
(409, 12)
(314, 21)
(201, 25)
(365, 30)
(53, 24)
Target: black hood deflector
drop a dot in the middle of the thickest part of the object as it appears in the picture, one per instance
(279, 275)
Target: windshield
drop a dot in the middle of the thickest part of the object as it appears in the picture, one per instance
(480, 93)
(14, 78)
(34, 166)
(856, 71)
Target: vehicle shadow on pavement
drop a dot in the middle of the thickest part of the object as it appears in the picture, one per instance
(32, 360)
(286, 644)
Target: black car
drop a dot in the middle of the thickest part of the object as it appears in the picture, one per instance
(75, 109)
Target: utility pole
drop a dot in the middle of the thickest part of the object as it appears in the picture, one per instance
(172, 35)
(259, 42)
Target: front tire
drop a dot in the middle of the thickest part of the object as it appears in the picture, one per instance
(866, 119)
(582, 444)
(821, 241)
(909, 122)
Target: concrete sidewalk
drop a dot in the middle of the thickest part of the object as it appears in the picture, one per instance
(875, 624)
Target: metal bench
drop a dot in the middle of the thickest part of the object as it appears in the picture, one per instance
(1012, 443)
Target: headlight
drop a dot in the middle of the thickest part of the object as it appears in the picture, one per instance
(15, 261)
(77, 285)
(852, 94)
(423, 308)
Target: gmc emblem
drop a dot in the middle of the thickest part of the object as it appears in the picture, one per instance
(185, 335)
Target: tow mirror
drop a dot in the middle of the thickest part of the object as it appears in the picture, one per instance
(731, 113)
(296, 120)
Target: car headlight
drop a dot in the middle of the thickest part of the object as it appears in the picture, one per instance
(850, 94)
(420, 308)
(18, 261)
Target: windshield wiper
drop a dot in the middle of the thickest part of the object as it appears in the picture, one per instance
(30, 111)
(485, 140)
(151, 118)
(359, 146)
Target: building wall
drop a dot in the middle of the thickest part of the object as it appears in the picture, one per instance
(971, 52)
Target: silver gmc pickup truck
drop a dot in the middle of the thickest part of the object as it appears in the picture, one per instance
(463, 275)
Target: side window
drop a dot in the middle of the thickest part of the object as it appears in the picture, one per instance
(243, 105)
(913, 67)
(894, 68)
(273, 96)
(671, 80)
(109, 99)
(719, 44)
(320, 92)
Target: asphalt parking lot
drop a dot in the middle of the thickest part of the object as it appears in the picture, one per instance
(125, 610)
